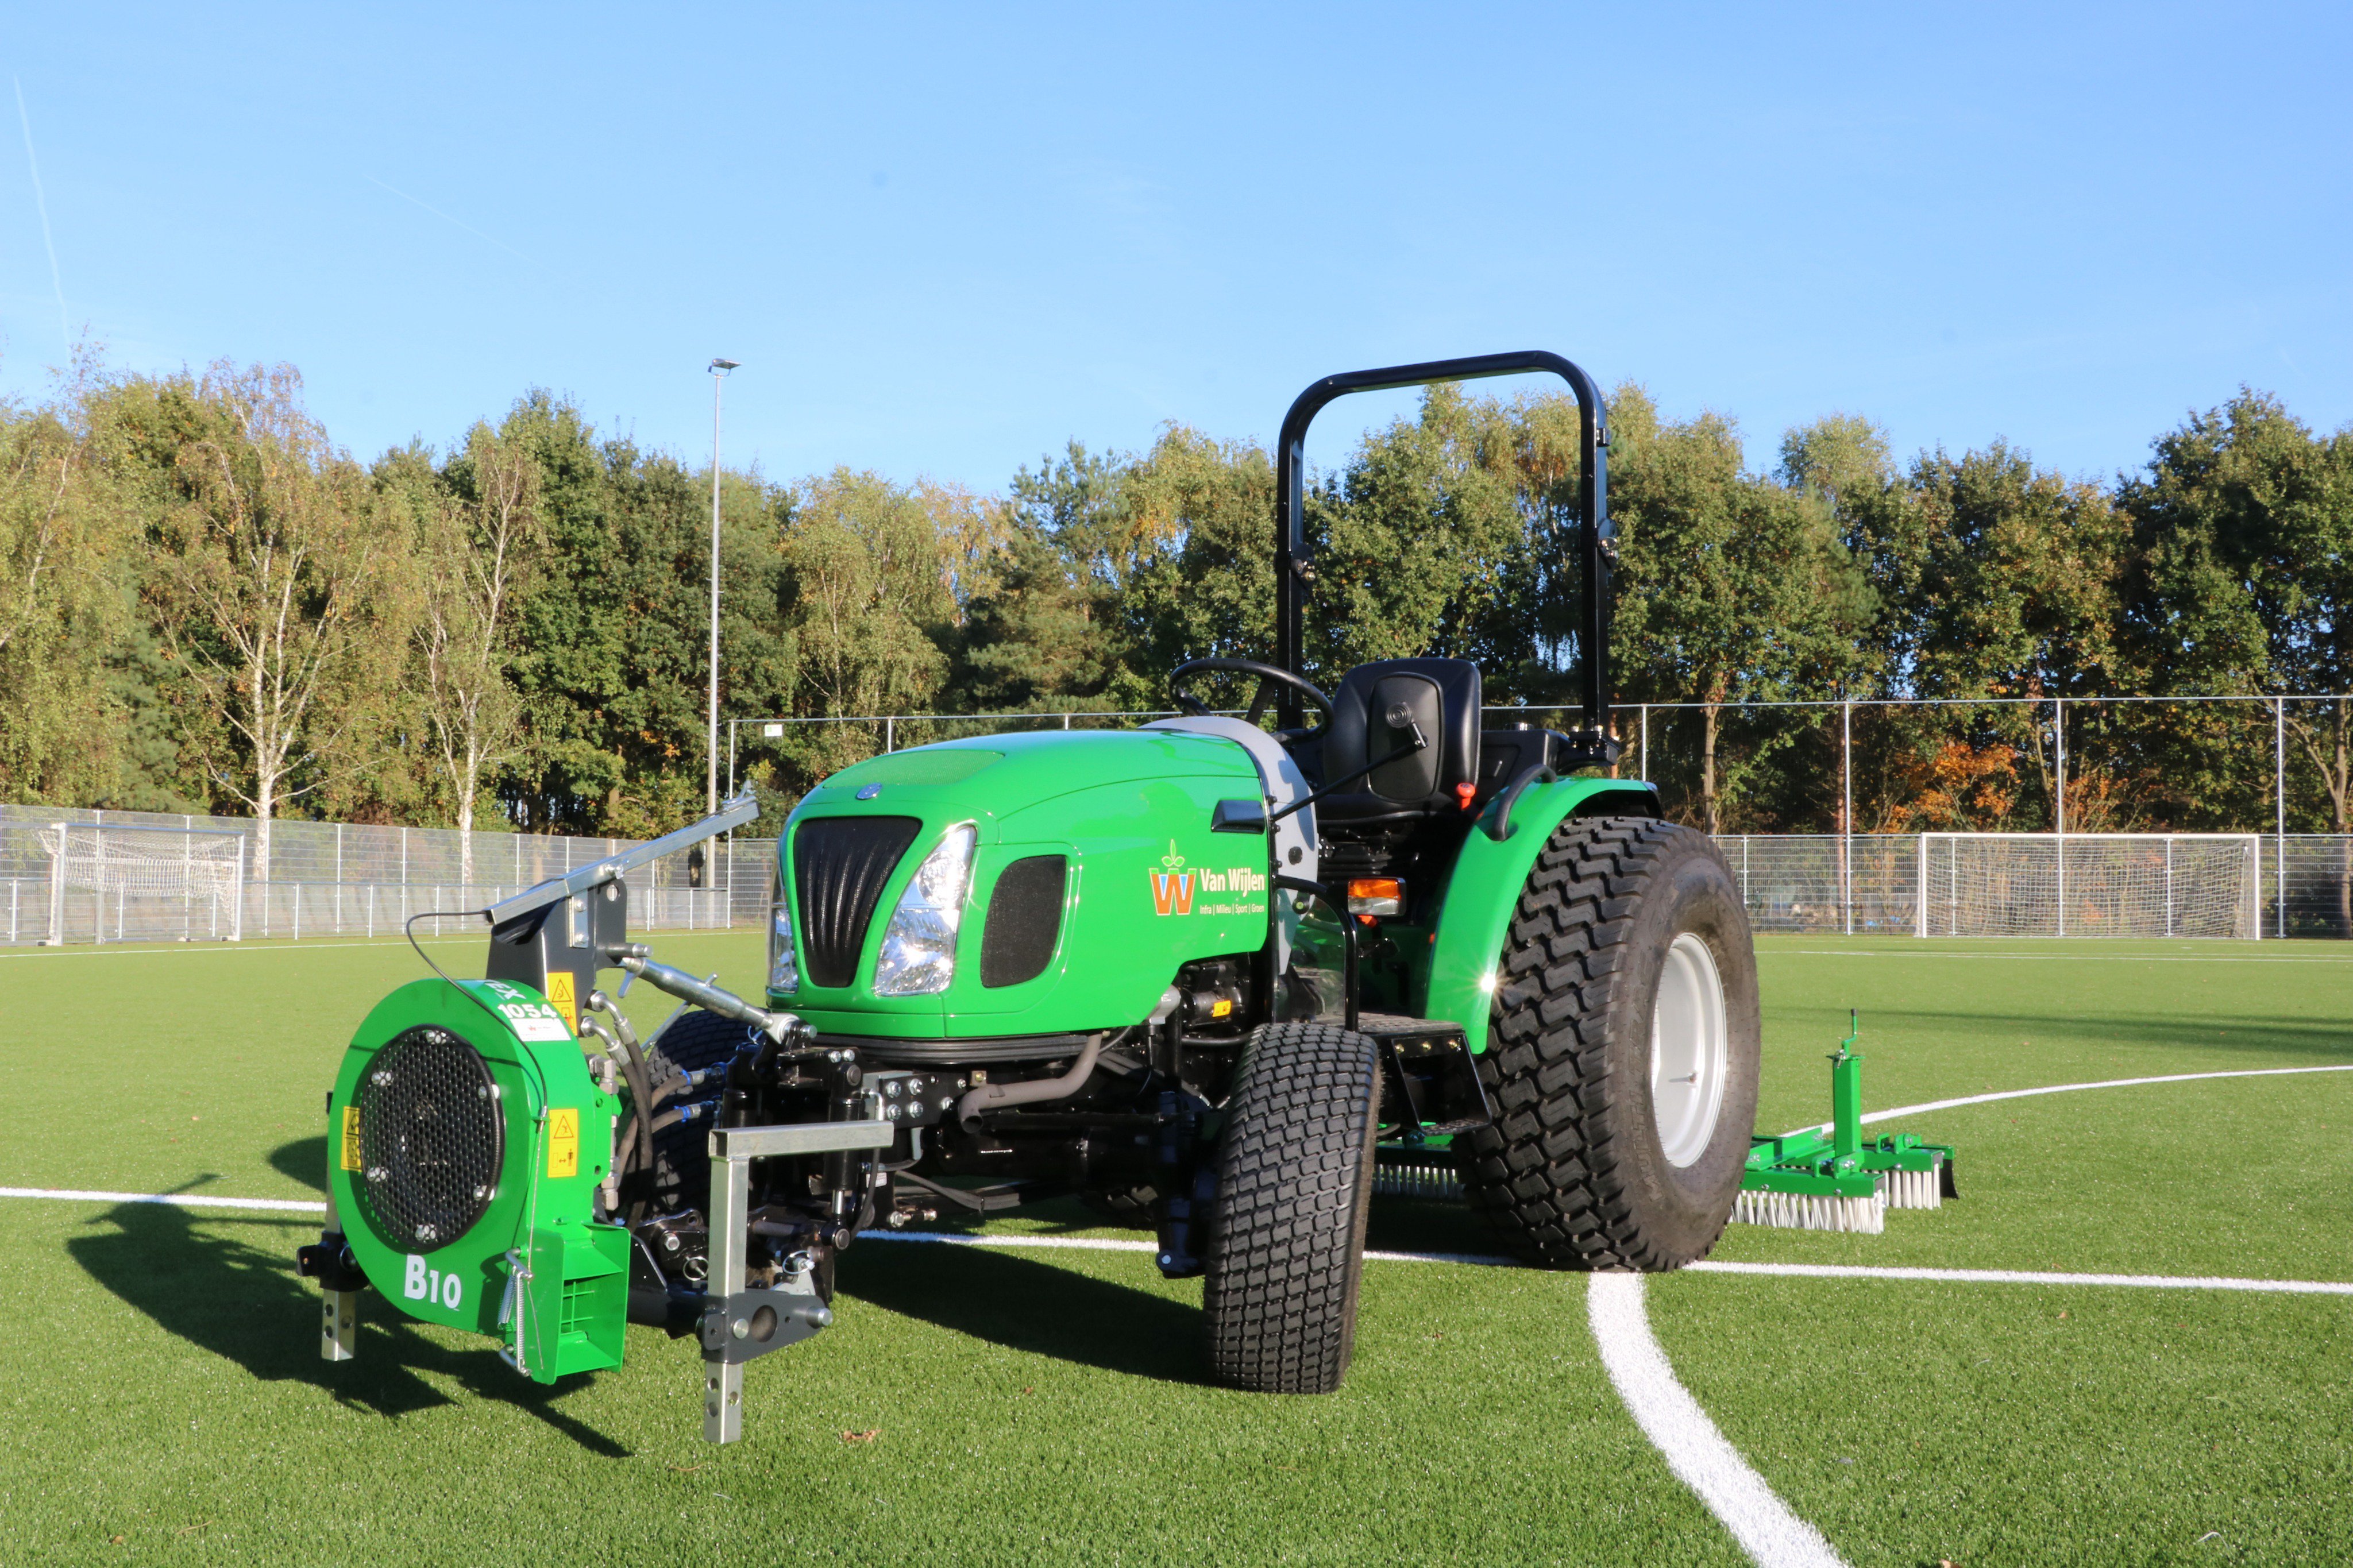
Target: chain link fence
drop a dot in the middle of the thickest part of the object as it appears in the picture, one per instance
(347, 880)
(329, 879)
(1872, 885)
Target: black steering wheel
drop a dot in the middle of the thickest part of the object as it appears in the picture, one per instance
(1269, 676)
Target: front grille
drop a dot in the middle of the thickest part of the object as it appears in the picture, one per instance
(1025, 917)
(431, 1138)
(839, 864)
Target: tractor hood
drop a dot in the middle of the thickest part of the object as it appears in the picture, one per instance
(1095, 868)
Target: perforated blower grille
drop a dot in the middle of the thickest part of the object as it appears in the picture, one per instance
(431, 1138)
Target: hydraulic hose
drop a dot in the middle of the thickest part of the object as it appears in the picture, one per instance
(1030, 1092)
(633, 1068)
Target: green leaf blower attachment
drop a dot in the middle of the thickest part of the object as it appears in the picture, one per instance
(466, 1138)
(1832, 1177)
(473, 1167)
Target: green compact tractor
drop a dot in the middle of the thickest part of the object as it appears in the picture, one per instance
(1212, 978)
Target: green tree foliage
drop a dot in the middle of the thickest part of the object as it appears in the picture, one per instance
(69, 567)
(206, 606)
(2243, 534)
(1731, 587)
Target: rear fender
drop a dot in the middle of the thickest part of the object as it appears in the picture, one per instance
(1475, 916)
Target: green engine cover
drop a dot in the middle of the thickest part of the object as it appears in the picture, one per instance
(466, 1139)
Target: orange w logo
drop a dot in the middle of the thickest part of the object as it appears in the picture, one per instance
(1172, 892)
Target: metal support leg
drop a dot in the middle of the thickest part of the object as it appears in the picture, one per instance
(731, 1200)
(339, 1324)
(339, 1329)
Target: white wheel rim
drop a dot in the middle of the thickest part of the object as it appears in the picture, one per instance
(1690, 1058)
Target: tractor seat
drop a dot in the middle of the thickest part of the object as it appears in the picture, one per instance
(1441, 696)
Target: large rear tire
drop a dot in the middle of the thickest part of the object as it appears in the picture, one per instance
(1294, 1188)
(1621, 1057)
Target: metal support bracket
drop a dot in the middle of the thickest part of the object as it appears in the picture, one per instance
(338, 1323)
(339, 1330)
(748, 1324)
(732, 1150)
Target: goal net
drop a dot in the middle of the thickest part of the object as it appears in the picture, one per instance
(2090, 884)
(117, 883)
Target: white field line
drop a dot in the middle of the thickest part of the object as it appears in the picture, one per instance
(259, 944)
(1872, 1116)
(2026, 1276)
(2044, 957)
(177, 1200)
(1812, 1271)
(1694, 1450)
(1464, 1259)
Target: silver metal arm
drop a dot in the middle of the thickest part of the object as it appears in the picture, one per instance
(742, 809)
(710, 997)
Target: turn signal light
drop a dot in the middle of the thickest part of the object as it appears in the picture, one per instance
(1376, 896)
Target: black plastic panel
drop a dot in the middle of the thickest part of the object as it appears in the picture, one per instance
(839, 866)
(1025, 919)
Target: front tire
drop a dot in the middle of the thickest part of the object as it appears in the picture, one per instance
(1622, 1053)
(695, 1040)
(1294, 1188)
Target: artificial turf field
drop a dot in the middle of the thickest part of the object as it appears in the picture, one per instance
(162, 1398)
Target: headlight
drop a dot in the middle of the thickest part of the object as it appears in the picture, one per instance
(784, 972)
(919, 947)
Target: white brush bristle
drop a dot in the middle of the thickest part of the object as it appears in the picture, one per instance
(1793, 1211)
(1913, 1189)
(1416, 1181)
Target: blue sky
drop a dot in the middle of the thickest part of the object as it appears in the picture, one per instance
(944, 240)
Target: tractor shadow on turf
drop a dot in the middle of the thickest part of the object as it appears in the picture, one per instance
(1025, 1304)
(205, 1279)
(305, 1159)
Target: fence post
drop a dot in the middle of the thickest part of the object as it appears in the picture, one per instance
(1922, 917)
(2279, 822)
(1646, 748)
(1846, 815)
(298, 911)
(888, 731)
(2059, 799)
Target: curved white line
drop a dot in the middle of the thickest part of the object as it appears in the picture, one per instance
(2068, 1088)
(1694, 1450)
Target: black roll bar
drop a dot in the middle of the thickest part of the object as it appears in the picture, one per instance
(1294, 573)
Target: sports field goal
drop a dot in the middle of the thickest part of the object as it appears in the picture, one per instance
(120, 883)
(2091, 884)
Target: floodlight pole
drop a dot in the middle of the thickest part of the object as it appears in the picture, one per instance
(719, 369)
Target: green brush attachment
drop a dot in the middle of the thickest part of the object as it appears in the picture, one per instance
(1417, 1169)
(1832, 1177)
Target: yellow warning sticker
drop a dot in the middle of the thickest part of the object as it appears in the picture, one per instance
(563, 1141)
(352, 1138)
(559, 991)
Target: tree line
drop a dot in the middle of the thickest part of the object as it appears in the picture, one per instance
(208, 607)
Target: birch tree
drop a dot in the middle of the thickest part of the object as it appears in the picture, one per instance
(260, 587)
(474, 551)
